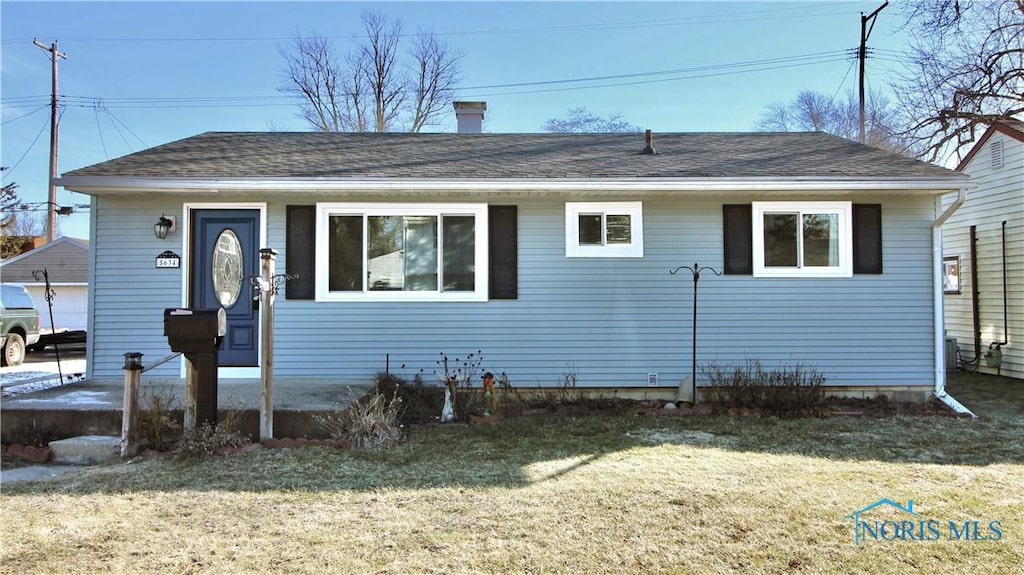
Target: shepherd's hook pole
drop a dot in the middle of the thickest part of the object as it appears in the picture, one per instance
(695, 270)
(49, 294)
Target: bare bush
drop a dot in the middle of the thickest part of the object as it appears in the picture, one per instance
(791, 390)
(366, 424)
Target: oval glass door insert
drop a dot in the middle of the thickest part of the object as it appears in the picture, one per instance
(227, 268)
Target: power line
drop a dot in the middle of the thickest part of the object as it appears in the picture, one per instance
(270, 101)
(843, 81)
(723, 18)
(43, 107)
(96, 113)
(639, 82)
(118, 130)
(8, 171)
(118, 121)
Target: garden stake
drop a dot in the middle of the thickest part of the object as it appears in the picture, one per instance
(695, 270)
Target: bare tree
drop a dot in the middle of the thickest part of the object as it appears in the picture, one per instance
(312, 75)
(371, 88)
(378, 66)
(9, 202)
(17, 223)
(437, 73)
(966, 69)
(816, 112)
(581, 120)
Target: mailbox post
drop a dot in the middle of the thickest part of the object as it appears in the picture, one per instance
(197, 334)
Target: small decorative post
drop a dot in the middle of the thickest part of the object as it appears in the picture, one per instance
(191, 395)
(132, 374)
(268, 285)
(695, 270)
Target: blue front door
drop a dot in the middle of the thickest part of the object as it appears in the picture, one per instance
(224, 251)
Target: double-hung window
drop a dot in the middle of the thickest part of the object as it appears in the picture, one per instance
(604, 229)
(802, 239)
(401, 252)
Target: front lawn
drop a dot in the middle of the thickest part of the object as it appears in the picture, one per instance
(555, 494)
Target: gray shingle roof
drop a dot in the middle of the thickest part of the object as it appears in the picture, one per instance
(229, 155)
(1016, 125)
(65, 259)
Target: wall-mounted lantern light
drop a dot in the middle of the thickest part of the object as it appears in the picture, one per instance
(163, 226)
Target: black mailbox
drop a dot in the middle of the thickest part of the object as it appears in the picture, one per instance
(194, 329)
(197, 333)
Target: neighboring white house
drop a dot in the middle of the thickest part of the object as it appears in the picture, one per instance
(66, 261)
(984, 286)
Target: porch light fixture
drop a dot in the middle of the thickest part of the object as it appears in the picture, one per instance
(133, 361)
(164, 225)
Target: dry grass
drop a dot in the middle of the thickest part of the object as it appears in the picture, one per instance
(548, 494)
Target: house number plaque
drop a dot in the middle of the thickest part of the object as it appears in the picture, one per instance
(168, 259)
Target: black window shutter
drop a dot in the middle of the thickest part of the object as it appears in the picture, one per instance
(739, 246)
(300, 252)
(867, 238)
(504, 262)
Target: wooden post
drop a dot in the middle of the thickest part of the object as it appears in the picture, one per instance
(191, 394)
(268, 258)
(129, 414)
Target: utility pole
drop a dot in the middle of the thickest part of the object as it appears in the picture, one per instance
(51, 203)
(865, 32)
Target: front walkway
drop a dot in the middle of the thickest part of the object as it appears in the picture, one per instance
(289, 394)
(93, 407)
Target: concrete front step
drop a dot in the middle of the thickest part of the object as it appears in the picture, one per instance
(86, 450)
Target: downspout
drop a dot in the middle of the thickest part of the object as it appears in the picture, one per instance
(937, 296)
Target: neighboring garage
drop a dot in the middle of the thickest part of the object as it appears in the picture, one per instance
(66, 261)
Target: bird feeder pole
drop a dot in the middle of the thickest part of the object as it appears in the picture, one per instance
(696, 271)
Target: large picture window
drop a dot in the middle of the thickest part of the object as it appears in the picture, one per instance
(604, 229)
(402, 252)
(797, 239)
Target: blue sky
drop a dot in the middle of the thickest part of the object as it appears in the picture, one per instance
(140, 74)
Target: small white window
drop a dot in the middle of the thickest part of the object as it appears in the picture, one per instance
(798, 239)
(604, 230)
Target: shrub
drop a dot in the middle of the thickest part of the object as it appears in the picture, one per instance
(207, 439)
(419, 403)
(368, 423)
(157, 426)
(563, 392)
(788, 391)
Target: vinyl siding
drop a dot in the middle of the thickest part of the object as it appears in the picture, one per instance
(999, 197)
(609, 321)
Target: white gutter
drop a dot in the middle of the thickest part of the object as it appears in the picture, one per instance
(940, 339)
(107, 184)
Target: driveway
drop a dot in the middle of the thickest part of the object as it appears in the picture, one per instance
(40, 370)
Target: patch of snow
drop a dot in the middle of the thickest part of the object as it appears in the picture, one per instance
(73, 399)
(29, 381)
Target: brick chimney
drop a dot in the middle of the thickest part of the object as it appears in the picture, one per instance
(470, 116)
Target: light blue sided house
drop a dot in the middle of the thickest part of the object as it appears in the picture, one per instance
(550, 253)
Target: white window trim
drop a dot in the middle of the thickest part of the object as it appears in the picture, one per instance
(327, 209)
(843, 209)
(634, 249)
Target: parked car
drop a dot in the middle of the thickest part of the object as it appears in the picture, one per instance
(19, 323)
